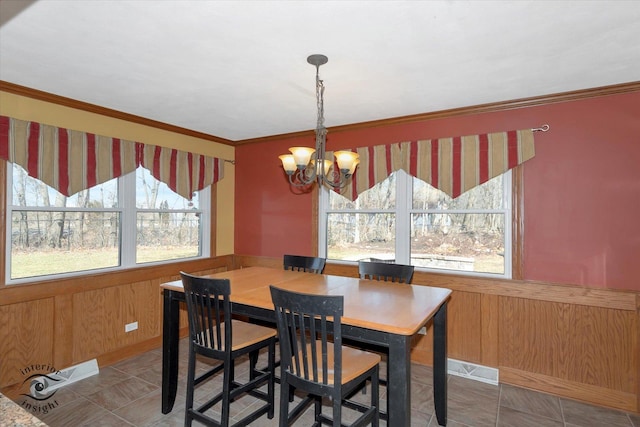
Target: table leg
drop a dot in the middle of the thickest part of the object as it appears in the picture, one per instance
(440, 364)
(399, 381)
(170, 349)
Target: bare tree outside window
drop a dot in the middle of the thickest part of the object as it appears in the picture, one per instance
(469, 233)
(54, 234)
(167, 224)
(48, 238)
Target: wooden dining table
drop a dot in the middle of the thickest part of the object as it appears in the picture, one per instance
(383, 314)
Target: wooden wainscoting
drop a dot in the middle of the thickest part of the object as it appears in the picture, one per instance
(589, 350)
(63, 322)
(26, 338)
(572, 341)
(576, 342)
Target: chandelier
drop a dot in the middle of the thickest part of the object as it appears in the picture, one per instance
(306, 165)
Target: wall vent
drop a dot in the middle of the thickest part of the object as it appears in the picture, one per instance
(472, 371)
(47, 384)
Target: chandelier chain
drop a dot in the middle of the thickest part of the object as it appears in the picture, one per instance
(320, 99)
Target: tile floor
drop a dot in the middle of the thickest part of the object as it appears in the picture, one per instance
(128, 394)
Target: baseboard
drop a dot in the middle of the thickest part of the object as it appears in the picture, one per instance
(625, 401)
(116, 356)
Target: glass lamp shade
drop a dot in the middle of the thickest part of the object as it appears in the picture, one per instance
(346, 160)
(328, 164)
(288, 163)
(355, 165)
(325, 170)
(302, 155)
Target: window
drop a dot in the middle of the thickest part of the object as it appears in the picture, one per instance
(121, 223)
(403, 219)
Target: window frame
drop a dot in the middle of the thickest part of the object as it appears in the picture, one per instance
(128, 215)
(514, 226)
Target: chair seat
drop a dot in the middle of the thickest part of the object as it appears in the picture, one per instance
(355, 362)
(246, 334)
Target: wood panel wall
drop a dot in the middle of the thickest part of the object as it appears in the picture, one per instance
(570, 341)
(64, 322)
(26, 337)
(576, 342)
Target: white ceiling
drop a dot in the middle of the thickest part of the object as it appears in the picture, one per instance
(238, 70)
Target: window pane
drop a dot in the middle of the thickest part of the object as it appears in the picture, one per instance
(352, 236)
(54, 234)
(28, 191)
(435, 231)
(380, 196)
(62, 242)
(467, 242)
(153, 194)
(167, 235)
(485, 196)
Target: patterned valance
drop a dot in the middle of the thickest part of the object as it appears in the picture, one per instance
(71, 161)
(182, 171)
(453, 165)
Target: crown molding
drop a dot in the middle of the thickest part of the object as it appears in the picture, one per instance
(92, 108)
(476, 109)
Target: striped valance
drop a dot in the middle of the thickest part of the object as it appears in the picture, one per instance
(182, 171)
(71, 161)
(453, 165)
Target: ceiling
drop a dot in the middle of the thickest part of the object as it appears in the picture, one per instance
(238, 70)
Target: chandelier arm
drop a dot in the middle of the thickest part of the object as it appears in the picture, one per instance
(339, 181)
(296, 181)
(303, 177)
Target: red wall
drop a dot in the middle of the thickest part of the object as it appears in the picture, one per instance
(582, 189)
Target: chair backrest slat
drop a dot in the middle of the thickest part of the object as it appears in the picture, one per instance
(385, 271)
(209, 311)
(307, 264)
(310, 322)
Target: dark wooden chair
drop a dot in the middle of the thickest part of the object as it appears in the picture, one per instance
(385, 271)
(215, 335)
(304, 263)
(314, 361)
(388, 272)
